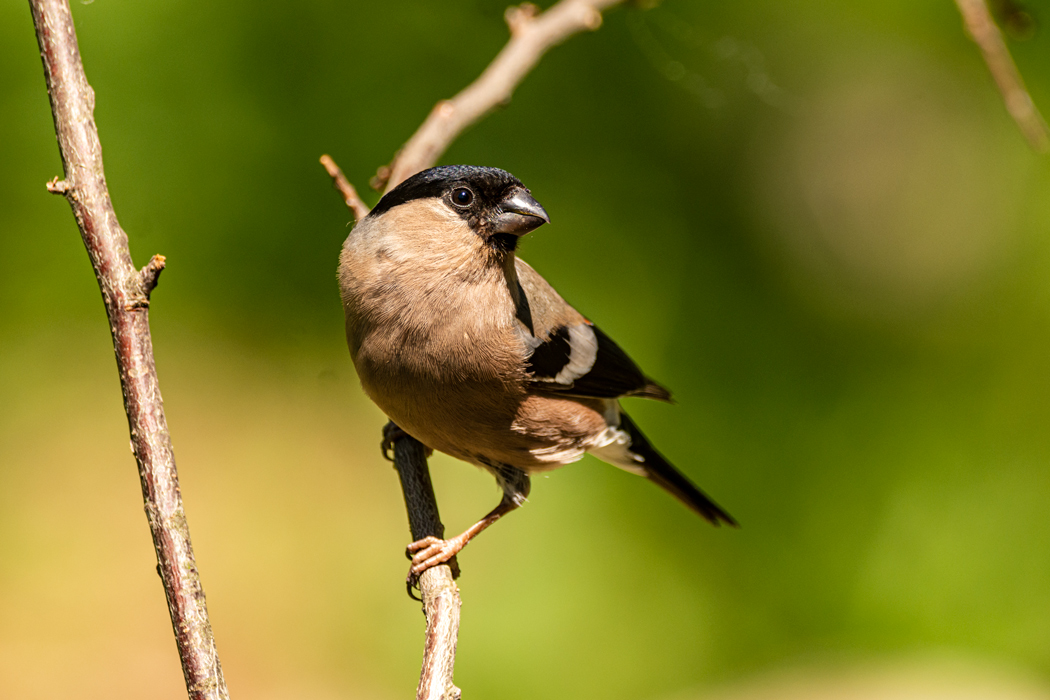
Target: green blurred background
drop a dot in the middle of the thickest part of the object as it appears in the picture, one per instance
(814, 221)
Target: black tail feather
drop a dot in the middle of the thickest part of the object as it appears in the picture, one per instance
(663, 474)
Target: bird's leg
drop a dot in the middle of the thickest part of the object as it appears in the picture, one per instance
(431, 551)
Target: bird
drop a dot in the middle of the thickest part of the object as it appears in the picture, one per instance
(466, 348)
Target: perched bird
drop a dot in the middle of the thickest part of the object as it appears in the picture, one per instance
(466, 348)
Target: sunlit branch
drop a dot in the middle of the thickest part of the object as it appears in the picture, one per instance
(1019, 104)
(126, 293)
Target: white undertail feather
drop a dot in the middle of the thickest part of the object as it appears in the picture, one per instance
(613, 445)
(618, 453)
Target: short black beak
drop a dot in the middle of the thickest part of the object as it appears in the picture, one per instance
(519, 213)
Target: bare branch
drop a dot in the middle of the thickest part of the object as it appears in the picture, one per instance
(126, 295)
(1019, 104)
(353, 201)
(436, 585)
(531, 35)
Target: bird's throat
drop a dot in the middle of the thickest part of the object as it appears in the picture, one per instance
(505, 242)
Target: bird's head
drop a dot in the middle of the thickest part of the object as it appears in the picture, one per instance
(494, 204)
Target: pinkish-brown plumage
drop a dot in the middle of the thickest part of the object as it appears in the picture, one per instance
(469, 350)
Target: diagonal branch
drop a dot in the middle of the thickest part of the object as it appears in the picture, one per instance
(531, 35)
(1019, 104)
(125, 292)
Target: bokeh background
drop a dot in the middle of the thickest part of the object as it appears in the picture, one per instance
(814, 221)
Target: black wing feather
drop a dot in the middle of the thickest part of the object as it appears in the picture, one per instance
(613, 374)
(550, 357)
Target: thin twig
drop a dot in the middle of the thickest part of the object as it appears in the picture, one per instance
(353, 201)
(125, 292)
(531, 35)
(151, 273)
(1019, 104)
(436, 585)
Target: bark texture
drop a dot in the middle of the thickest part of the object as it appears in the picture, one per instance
(437, 586)
(126, 294)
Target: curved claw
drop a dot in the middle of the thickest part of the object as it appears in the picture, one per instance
(411, 584)
(391, 434)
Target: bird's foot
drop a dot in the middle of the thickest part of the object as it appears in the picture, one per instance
(431, 551)
(391, 434)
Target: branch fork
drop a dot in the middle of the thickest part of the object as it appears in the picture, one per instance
(532, 34)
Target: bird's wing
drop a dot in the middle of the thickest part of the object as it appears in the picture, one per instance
(570, 355)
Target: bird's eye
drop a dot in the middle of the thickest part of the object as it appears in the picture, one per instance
(462, 197)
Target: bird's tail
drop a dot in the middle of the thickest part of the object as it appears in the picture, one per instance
(662, 473)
